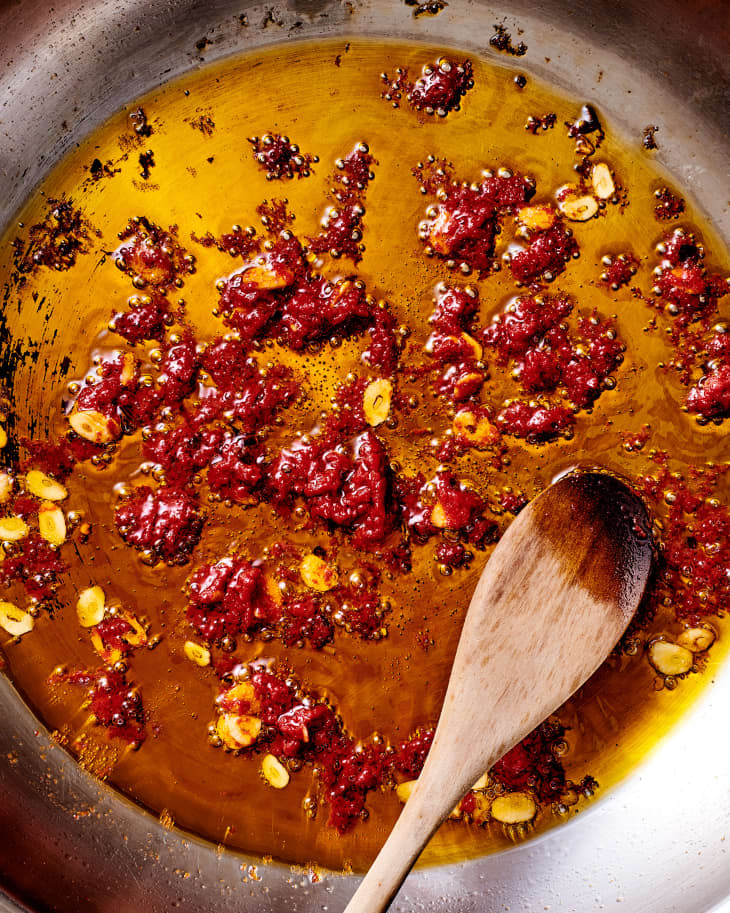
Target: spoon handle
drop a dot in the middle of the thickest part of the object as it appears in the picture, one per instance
(428, 806)
(553, 599)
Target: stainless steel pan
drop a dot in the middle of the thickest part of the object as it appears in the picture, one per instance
(68, 843)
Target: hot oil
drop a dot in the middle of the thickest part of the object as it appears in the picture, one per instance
(327, 98)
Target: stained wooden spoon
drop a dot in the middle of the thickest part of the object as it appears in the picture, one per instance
(553, 600)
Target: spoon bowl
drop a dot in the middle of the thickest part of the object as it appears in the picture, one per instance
(553, 600)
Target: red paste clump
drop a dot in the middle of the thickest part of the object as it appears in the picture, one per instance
(682, 282)
(695, 550)
(710, 396)
(532, 334)
(153, 256)
(57, 458)
(619, 270)
(348, 489)
(237, 469)
(546, 255)
(183, 451)
(532, 763)
(229, 598)
(280, 158)
(309, 730)
(34, 563)
(461, 229)
(668, 206)
(146, 319)
(165, 522)
(114, 704)
(303, 619)
(411, 754)
(438, 90)
(112, 632)
(451, 554)
(343, 224)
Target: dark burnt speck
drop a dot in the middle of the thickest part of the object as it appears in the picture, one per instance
(428, 8)
(146, 163)
(649, 138)
(138, 119)
(501, 40)
(586, 122)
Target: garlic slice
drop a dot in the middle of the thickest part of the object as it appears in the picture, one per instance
(602, 180)
(13, 529)
(317, 574)
(537, 218)
(697, 639)
(90, 606)
(6, 487)
(52, 523)
(574, 205)
(14, 620)
(274, 772)
(376, 401)
(514, 808)
(94, 426)
(238, 731)
(404, 790)
(197, 653)
(43, 486)
(668, 658)
(438, 517)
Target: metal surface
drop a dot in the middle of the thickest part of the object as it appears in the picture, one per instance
(68, 843)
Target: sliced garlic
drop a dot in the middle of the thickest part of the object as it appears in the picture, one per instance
(264, 277)
(137, 637)
(110, 655)
(197, 653)
(537, 218)
(404, 790)
(90, 606)
(439, 236)
(243, 691)
(477, 431)
(52, 523)
(317, 574)
(602, 181)
(482, 782)
(14, 620)
(274, 772)
(129, 368)
(670, 659)
(43, 486)
(13, 529)
(238, 731)
(474, 345)
(514, 808)
(574, 205)
(6, 487)
(438, 517)
(376, 401)
(464, 383)
(94, 426)
(697, 639)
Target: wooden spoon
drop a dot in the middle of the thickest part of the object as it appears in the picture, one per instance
(553, 600)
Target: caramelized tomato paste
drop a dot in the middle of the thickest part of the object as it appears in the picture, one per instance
(287, 448)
